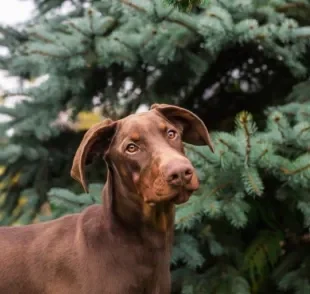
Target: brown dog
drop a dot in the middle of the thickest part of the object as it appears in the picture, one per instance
(123, 246)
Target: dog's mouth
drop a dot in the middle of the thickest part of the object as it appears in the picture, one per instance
(178, 196)
(161, 192)
(182, 197)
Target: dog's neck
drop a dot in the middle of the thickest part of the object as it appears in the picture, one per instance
(125, 208)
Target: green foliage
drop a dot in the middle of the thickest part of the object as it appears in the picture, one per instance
(234, 191)
(297, 280)
(185, 5)
(217, 280)
(261, 257)
(247, 229)
(64, 201)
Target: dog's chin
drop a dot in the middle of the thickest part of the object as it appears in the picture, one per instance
(171, 195)
(182, 197)
(184, 193)
(176, 197)
(179, 197)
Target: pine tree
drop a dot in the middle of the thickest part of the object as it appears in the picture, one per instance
(247, 229)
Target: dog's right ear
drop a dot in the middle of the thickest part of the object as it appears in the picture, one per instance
(98, 137)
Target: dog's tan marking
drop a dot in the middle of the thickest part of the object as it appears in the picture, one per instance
(135, 136)
(162, 126)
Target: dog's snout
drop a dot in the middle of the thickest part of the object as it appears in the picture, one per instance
(179, 173)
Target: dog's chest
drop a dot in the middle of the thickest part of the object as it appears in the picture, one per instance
(131, 270)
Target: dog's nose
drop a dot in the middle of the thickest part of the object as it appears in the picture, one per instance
(178, 174)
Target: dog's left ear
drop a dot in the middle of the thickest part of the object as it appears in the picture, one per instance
(96, 140)
(194, 130)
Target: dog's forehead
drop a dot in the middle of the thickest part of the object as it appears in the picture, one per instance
(143, 122)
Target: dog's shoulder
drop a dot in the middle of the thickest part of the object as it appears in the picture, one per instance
(91, 222)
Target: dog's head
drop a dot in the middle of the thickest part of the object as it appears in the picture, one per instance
(146, 151)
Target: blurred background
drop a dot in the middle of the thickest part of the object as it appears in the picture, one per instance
(242, 66)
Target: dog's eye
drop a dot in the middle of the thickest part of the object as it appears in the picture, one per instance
(172, 134)
(131, 148)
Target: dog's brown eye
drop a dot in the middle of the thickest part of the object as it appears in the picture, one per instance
(172, 134)
(131, 148)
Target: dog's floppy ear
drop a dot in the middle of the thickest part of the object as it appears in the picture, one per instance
(98, 136)
(194, 130)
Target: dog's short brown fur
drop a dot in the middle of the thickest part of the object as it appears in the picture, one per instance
(123, 246)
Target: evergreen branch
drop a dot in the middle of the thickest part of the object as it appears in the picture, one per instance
(301, 32)
(213, 191)
(231, 148)
(288, 6)
(132, 5)
(62, 43)
(277, 120)
(47, 54)
(54, 55)
(72, 202)
(72, 24)
(91, 19)
(304, 130)
(167, 17)
(181, 23)
(198, 153)
(9, 111)
(10, 94)
(296, 171)
(262, 155)
(185, 218)
(154, 32)
(168, 13)
(126, 45)
(253, 185)
(112, 27)
(41, 38)
(243, 119)
(46, 40)
(154, 9)
(248, 143)
(218, 188)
